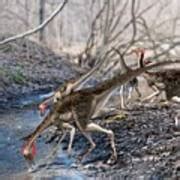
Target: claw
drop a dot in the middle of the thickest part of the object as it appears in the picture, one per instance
(112, 160)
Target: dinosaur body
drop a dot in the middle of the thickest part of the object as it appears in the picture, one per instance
(170, 80)
(81, 105)
(167, 80)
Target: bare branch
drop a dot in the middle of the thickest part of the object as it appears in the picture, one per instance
(41, 26)
(106, 25)
(130, 21)
(121, 59)
(119, 17)
(133, 19)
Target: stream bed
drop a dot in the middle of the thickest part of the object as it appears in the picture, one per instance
(15, 124)
(147, 143)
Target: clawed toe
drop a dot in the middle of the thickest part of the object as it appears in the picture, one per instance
(112, 160)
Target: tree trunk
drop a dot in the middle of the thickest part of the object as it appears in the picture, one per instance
(41, 19)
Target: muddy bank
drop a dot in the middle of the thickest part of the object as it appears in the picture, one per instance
(28, 68)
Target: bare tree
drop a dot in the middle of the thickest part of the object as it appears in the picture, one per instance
(36, 29)
(41, 18)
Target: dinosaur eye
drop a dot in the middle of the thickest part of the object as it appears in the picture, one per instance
(57, 98)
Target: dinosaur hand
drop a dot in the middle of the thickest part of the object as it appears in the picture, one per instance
(42, 108)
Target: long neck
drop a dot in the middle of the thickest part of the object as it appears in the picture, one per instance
(141, 63)
(120, 79)
(108, 84)
(133, 73)
(41, 127)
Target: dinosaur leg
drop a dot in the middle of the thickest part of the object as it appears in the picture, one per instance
(68, 127)
(92, 146)
(175, 99)
(95, 127)
(138, 91)
(55, 148)
(72, 134)
(122, 96)
(156, 93)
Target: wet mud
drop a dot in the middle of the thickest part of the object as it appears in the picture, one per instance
(147, 142)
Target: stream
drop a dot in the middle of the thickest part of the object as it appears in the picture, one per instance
(16, 123)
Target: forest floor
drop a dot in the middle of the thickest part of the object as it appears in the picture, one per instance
(147, 141)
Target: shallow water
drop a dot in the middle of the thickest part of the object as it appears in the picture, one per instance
(15, 124)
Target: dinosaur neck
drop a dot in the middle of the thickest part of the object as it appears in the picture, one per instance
(41, 127)
(133, 73)
(141, 60)
(141, 63)
(120, 79)
(116, 80)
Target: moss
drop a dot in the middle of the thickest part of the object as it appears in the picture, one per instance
(15, 75)
(18, 77)
(117, 117)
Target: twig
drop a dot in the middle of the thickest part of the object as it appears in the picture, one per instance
(130, 21)
(118, 17)
(134, 28)
(133, 20)
(122, 61)
(90, 42)
(35, 30)
(106, 25)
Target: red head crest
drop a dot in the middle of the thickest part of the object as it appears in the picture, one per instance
(138, 51)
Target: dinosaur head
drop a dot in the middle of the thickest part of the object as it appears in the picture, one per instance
(147, 61)
(29, 152)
